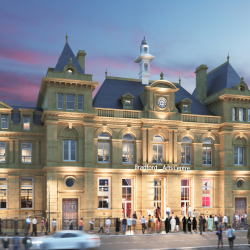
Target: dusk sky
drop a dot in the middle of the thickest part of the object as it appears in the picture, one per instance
(181, 35)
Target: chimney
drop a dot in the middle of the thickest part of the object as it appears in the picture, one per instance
(81, 58)
(201, 82)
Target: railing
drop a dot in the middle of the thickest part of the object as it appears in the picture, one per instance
(106, 112)
(130, 114)
(189, 118)
(211, 120)
(9, 224)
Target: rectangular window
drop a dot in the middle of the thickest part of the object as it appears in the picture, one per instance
(69, 150)
(127, 103)
(248, 114)
(4, 122)
(26, 123)
(238, 156)
(80, 102)
(2, 152)
(234, 114)
(70, 102)
(241, 115)
(103, 192)
(26, 192)
(157, 193)
(157, 153)
(127, 152)
(185, 193)
(206, 193)
(3, 193)
(186, 155)
(60, 101)
(206, 155)
(185, 108)
(127, 197)
(26, 152)
(103, 151)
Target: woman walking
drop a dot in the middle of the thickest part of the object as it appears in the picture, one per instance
(167, 225)
(184, 222)
(194, 224)
(219, 233)
(210, 223)
(189, 222)
(134, 221)
(158, 224)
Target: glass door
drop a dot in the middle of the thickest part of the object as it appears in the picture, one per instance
(185, 194)
(127, 197)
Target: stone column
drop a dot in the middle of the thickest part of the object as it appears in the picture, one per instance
(89, 144)
(144, 146)
(197, 202)
(170, 157)
(17, 151)
(116, 195)
(37, 160)
(174, 193)
(196, 158)
(13, 184)
(150, 147)
(51, 147)
(116, 153)
(147, 192)
(11, 151)
(138, 151)
(175, 147)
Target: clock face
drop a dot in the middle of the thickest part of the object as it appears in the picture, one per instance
(162, 103)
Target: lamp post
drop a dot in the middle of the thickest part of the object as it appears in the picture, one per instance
(49, 203)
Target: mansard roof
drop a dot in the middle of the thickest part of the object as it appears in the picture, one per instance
(220, 78)
(64, 60)
(112, 89)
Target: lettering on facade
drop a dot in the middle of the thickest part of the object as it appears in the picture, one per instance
(176, 167)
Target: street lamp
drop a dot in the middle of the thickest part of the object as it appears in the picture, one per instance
(49, 203)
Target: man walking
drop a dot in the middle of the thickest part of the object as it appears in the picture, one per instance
(189, 210)
(168, 210)
(34, 231)
(16, 242)
(220, 221)
(81, 224)
(124, 225)
(42, 225)
(28, 221)
(143, 224)
(237, 219)
(216, 222)
(225, 219)
(129, 223)
(195, 214)
(27, 242)
(234, 221)
(231, 237)
(108, 224)
(200, 224)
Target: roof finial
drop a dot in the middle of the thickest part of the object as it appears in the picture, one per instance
(66, 37)
(106, 73)
(161, 75)
(228, 57)
(179, 80)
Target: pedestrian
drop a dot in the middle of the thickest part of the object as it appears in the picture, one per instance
(230, 236)
(207, 222)
(16, 242)
(143, 224)
(149, 212)
(34, 227)
(219, 233)
(134, 220)
(27, 242)
(101, 226)
(167, 225)
(242, 221)
(1, 224)
(152, 224)
(158, 224)
(216, 222)
(220, 221)
(42, 225)
(183, 210)
(168, 210)
(28, 221)
(189, 223)
(234, 221)
(123, 212)
(245, 219)
(204, 222)
(177, 223)
(6, 242)
(172, 223)
(47, 227)
(189, 211)
(195, 214)
(91, 226)
(200, 224)
(184, 222)
(53, 224)
(149, 224)
(129, 223)
(124, 225)
(210, 223)
(225, 220)
(117, 225)
(108, 224)
(248, 236)
(15, 225)
(194, 224)
(158, 212)
(237, 220)
(70, 225)
(80, 224)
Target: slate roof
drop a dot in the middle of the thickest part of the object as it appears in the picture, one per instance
(112, 89)
(64, 60)
(223, 77)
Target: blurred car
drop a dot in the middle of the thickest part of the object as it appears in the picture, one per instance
(66, 240)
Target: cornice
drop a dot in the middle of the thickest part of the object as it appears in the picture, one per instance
(12, 133)
(240, 191)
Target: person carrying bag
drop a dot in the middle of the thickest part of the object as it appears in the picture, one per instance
(231, 237)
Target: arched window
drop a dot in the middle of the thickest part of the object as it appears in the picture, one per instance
(145, 67)
(158, 149)
(128, 149)
(207, 151)
(239, 148)
(103, 147)
(186, 150)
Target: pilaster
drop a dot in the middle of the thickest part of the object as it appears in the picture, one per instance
(150, 147)
(144, 145)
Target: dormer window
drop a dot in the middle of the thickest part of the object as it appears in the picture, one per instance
(127, 103)
(185, 108)
(26, 123)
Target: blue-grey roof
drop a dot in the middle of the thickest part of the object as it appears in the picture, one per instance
(221, 78)
(37, 119)
(64, 60)
(22, 107)
(16, 118)
(112, 89)
(144, 42)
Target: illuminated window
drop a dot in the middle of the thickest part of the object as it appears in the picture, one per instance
(70, 102)
(128, 148)
(206, 193)
(103, 147)
(185, 192)
(248, 114)
(234, 114)
(3, 193)
(69, 150)
(157, 193)
(60, 101)
(26, 152)
(207, 151)
(103, 192)
(26, 123)
(26, 192)
(127, 103)
(4, 122)
(238, 156)
(241, 115)
(127, 197)
(185, 108)
(2, 152)
(186, 151)
(80, 102)
(158, 149)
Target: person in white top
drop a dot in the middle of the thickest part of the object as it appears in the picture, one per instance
(129, 223)
(34, 231)
(172, 223)
(216, 222)
(231, 237)
(189, 210)
(149, 212)
(108, 224)
(28, 221)
(237, 219)
(143, 224)
(225, 220)
(168, 210)
(245, 219)
(183, 210)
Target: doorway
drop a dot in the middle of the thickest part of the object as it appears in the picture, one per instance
(70, 212)
(127, 197)
(240, 206)
(185, 193)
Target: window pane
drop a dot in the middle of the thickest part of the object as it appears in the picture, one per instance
(157, 182)
(157, 195)
(235, 155)
(80, 102)
(129, 193)
(186, 140)
(66, 150)
(3, 201)
(2, 151)
(26, 193)
(126, 182)
(130, 152)
(26, 152)
(204, 155)
(124, 152)
(249, 115)
(106, 152)
(241, 160)
(70, 102)
(128, 137)
(4, 122)
(59, 101)
(103, 136)
(185, 108)
(188, 155)
(127, 103)
(182, 154)
(158, 138)
(209, 155)
(100, 151)
(26, 123)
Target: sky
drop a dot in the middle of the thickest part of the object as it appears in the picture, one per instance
(181, 35)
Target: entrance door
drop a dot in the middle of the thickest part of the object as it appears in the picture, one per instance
(185, 193)
(240, 206)
(70, 212)
(127, 197)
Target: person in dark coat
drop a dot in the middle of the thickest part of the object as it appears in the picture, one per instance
(194, 224)
(189, 222)
(117, 225)
(1, 224)
(204, 223)
(167, 225)
(184, 223)
(200, 224)
(177, 223)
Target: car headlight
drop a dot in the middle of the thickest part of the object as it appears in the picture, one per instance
(37, 242)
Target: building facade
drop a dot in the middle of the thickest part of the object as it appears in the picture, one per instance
(136, 145)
